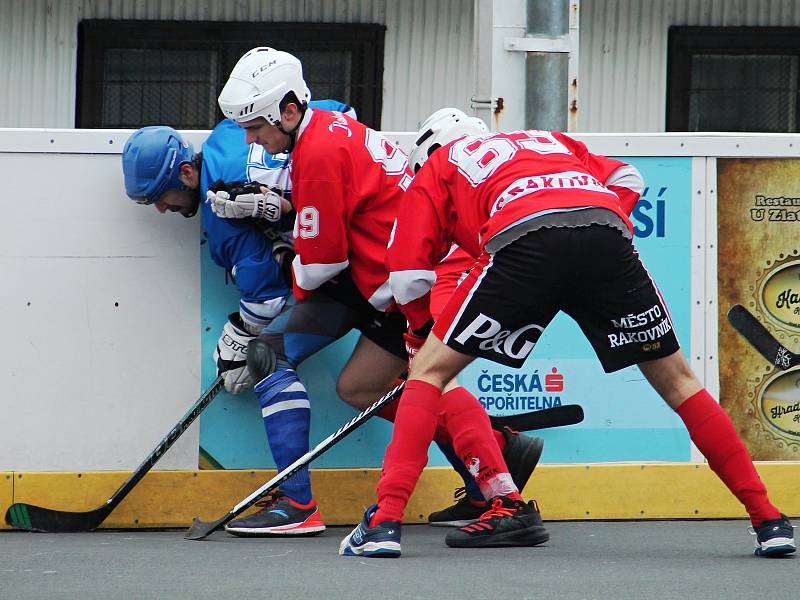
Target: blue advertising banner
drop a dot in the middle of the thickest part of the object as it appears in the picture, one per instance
(625, 420)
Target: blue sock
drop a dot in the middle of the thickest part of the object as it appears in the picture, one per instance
(287, 420)
(473, 491)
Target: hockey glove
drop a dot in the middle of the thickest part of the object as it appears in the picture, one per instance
(231, 355)
(242, 200)
(283, 251)
(414, 340)
(284, 255)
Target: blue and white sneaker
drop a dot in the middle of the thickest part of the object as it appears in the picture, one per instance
(381, 541)
(775, 537)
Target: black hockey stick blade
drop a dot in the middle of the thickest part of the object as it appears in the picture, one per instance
(760, 338)
(201, 529)
(557, 416)
(36, 518)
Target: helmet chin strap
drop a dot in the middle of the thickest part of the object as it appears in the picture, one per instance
(194, 207)
(293, 132)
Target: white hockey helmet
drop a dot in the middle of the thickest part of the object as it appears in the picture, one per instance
(258, 83)
(442, 127)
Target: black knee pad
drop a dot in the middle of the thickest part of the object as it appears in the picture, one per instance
(260, 359)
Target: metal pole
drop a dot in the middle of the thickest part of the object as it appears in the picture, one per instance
(481, 101)
(547, 72)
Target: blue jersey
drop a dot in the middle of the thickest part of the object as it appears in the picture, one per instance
(239, 245)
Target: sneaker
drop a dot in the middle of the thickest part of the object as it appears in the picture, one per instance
(521, 454)
(507, 523)
(381, 541)
(463, 512)
(774, 537)
(279, 516)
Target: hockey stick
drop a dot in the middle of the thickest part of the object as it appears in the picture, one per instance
(201, 529)
(760, 338)
(558, 416)
(37, 518)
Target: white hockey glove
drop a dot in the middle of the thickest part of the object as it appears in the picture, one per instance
(231, 355)
(259, 206)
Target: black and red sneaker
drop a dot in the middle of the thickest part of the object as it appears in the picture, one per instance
(465, 511)
(507, 523)
(521, 454)
(279, 516)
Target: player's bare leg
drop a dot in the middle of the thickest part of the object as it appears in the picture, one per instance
(672, 378)
(715, 436)
(437, 364)
(369, 372)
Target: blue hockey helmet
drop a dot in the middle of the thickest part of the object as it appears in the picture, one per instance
(151, 162)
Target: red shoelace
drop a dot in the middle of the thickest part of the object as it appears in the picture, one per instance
(498, 510)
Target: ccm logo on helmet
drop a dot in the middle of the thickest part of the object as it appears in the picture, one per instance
(264, 68)
(502, 341)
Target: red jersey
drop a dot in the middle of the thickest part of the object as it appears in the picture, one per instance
(478, 186)
(347, 182)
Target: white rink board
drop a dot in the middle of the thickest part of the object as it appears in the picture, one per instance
(100, 298)
(100, 303)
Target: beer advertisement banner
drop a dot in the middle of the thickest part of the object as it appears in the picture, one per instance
(759, 268)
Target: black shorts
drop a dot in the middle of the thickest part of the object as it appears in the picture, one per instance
(304, 328)
(592, 273)
(385, 329)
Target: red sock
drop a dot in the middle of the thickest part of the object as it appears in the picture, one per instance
(389, 412)
(407, 454)
(714, 435)
(474, 442)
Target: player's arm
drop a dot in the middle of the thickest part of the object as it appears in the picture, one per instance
(320, 234)
(620, 177)
(419, 241)
(248, 255)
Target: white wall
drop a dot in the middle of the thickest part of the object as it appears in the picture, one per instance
(100, 298)
(100, 306)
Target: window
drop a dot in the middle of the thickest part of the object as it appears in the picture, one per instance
(137, 73)
(733, 79)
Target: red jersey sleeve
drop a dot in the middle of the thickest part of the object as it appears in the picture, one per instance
(320, 228)
(421, 238)
(621, 178)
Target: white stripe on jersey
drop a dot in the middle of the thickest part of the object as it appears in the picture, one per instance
(548, 182)
(310, 277)
(410, 285)
(259, 314)
(382, 297)
(627, 176)
(272, 171)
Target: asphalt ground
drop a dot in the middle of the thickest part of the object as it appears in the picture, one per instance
(583, 560)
